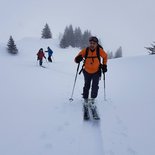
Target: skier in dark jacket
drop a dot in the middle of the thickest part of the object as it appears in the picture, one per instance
(50, 52)
(40, 56)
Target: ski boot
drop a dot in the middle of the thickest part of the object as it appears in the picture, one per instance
(94, 109)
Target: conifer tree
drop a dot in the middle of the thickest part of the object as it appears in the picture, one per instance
(68, 38)
(71, 37)
(46, 32)
(65, 41)
(77, 37)
(151, 50)
(11, 46)
(118, 53)
(85, 39)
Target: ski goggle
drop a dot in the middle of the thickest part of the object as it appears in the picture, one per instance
(93, 39)
(92, 43)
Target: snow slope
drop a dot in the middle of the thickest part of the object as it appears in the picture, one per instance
(36, 117)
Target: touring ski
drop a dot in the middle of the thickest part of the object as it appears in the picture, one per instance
(86, 115)
(42, 66)
(95, 113)
(90, 107)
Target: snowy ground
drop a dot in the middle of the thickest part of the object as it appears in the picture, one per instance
(36, 117)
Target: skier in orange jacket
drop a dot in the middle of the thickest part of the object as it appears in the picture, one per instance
(92, 66)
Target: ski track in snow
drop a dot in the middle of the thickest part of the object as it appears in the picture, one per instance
(119, 135)
(37, 118)
(90, 138)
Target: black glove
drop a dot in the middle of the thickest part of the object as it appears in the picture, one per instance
(78, 59)
(104, 68)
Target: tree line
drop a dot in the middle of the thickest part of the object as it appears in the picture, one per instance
(45, 34)
(117, 54)
(74, 37)
(71, 37)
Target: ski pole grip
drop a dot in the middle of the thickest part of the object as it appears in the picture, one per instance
(78, 66)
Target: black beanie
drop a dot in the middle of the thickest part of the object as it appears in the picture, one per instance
(93, 38)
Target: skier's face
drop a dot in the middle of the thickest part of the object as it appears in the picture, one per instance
(92, 45)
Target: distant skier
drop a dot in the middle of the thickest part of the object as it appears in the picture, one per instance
(40, 56)
(92, 69)
(50, 52)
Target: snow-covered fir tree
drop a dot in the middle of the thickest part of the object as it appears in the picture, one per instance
(85, 39)
(77, 37)
(118, 53)
(11, 46)
(68, 38)
(46, 32)
(71, 37)
(64, 42)
(151, 49)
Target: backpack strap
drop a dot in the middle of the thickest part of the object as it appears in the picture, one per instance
(98, 53)
(86, 55)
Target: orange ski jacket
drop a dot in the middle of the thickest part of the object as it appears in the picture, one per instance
(92, 63)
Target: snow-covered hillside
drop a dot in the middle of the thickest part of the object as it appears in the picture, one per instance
(36, 117)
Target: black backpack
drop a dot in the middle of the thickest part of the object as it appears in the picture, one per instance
(86, 56)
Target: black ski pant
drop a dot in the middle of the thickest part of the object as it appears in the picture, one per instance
(40, 62)
(93, 81)
(49, 59)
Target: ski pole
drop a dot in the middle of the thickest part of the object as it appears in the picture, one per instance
(71, 99)
(53, 58)
(46, 61)
(104, 87)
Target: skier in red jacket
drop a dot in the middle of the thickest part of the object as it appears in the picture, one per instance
(40, 57)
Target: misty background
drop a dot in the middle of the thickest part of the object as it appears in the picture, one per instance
(129, 24)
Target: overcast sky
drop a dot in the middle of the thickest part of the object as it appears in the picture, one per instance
(126, 23)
